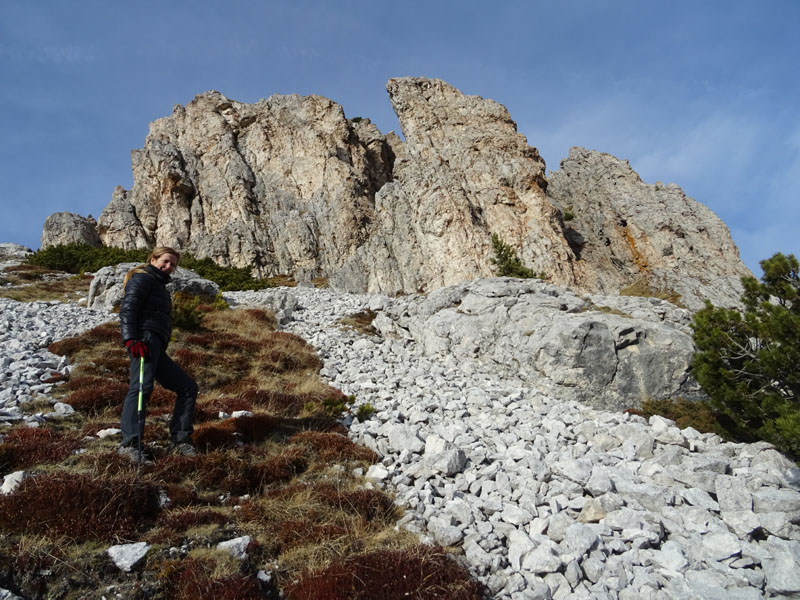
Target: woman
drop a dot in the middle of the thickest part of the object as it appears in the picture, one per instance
(146, 323)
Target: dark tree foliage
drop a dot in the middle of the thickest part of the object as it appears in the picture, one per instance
(82, 258)
(747, 362)
(507, 263)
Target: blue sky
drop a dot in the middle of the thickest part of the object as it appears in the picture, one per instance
(699, 93)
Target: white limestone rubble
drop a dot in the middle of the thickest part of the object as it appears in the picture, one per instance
(553, 498)
(26, 329)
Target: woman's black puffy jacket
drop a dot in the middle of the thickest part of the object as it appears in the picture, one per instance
(146, 306)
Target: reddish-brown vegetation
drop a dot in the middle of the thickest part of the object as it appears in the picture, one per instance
(371, 505)
(302, 532)
(334, 446)
(191, 579)
(422, 573)
(287, 405)
(25, 447)
(79, 507)
(173, 524)
(214, 436)
(108, 333)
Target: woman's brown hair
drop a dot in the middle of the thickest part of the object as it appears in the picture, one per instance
(157, 252)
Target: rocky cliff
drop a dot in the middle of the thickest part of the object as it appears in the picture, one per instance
(463, 173)
(627, 232)
(285, 185)
(290, 185)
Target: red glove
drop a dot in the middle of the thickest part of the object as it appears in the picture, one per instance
(137, 348)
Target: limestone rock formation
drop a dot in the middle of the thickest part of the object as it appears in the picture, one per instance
(119, 224)
(289, 185)
(464, 173)
(105, 291)
(68, 228)
(13, 253)
(607, 351)
(285, 185)
(626, 232)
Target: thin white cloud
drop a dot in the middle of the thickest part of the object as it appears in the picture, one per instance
(718, 138)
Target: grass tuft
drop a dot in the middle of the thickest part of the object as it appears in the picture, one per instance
(643, 288)
(334, 447)
(361, 322)
(192, 578)
(79, 507)
(25, 447)
(423, 573)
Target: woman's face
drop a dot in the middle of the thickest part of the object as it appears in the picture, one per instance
(166, 262)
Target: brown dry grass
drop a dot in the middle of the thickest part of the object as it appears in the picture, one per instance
(25, 447)
(643, 288)
(361, 322)
(205, 574)
(420, 572)
(29, 283)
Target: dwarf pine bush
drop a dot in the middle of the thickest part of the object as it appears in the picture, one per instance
(508, 264)
(747, 361)
(82, 258)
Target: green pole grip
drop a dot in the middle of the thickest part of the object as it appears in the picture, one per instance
(141, 380)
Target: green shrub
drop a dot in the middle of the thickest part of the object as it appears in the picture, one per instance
(568, 214)
(186, 312)
(699, 415)
(82, 258)
(229, 279)
(508, 264)
(747, 361)
(188, 309)
(364, 412)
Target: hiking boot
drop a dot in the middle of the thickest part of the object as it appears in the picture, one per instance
(132, 454)
(183, 449)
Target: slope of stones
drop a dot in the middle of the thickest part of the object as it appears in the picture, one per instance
(551, 498)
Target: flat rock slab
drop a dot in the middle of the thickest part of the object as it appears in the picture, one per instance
(127, 556)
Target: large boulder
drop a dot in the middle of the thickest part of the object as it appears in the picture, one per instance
(68, 228)
(106, 290)
(13, 254)
(119, 226)
(607, 351)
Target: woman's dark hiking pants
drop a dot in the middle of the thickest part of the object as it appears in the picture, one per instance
(159, 367)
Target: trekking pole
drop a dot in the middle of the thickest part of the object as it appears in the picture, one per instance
(140, 413)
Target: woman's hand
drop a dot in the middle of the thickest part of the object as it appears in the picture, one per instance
(137, 348)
